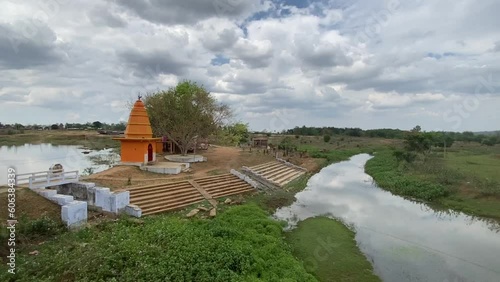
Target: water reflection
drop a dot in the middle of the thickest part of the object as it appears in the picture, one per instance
(39, 157)
(407, 241)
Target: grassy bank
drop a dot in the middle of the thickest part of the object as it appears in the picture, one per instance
(329, 251)
(240, 244)
(339, 261)
(87, 139)
(465, 180)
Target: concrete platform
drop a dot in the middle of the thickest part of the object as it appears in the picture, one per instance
(186, 159)
(166, 167)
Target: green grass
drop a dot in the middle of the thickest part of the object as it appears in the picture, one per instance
(486, 166)
(385, 170)
(329, 251)
(464, 181)
(241, 244)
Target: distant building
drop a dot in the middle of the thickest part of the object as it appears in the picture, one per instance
(260, 141)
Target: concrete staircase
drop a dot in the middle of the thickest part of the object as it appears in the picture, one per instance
(164, 197)
(277, 173)
(224, 185)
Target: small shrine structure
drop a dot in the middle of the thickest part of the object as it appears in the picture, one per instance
(138, 146)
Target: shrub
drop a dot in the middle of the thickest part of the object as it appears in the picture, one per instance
(327, 138)
(240, 244)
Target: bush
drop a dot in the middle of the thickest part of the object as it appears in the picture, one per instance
(327, 138)
(44, 226)
(241, 244)
(385, 171)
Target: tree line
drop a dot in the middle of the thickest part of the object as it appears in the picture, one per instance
(438, 138)
(80, 126)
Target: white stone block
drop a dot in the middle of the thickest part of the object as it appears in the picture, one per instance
(85, 184)
(46, 193)
(119, 200)
(102, 196)
(133, 210)
(62, 199)
(74, 213)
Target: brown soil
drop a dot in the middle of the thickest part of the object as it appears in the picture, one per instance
(30, 204)
(220, 160)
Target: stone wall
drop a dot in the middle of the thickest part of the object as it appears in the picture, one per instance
(74, 199)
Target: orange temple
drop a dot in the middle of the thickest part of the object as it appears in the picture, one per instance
(138, 145)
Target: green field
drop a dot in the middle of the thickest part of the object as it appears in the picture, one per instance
(466, 179)
(484, 166)
(322, 244)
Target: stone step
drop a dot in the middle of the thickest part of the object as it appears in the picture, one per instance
(223, 183)
(201, 179)
(161, 190)
(170, 201)
(264, 165)
(215, 179)
(216, 190)
(287, 176)
(270, 167)
(154, 197)
(171, 207)
(232, 192)
(161, 197)
(282, 170)
(140, 188)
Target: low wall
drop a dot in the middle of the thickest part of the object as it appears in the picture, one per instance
(75, 198)
(246, 178)
(265, 183)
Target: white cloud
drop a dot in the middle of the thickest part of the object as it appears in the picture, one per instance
(417, 60)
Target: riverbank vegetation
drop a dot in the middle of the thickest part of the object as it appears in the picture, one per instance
(322, 244)
(463, 176)
(242, 243)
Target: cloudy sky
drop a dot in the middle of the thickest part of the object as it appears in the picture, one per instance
(278, 63)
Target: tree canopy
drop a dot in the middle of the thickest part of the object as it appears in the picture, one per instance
(184, 113)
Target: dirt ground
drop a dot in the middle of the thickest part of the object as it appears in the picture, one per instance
(29, 204)
(220, 160)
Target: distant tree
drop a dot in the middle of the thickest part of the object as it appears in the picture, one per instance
(184, 113)
(97, 124)
(419, 143)
(55, 126)
(326, 138)
(287, 145)
(490, 141)
(416, 129)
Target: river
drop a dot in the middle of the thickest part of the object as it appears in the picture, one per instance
(404, 240)
(39, 157)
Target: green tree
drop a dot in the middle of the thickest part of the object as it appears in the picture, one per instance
(233, 134)
(326, 138)
(184, 113)
(97, 124)
(418, 142)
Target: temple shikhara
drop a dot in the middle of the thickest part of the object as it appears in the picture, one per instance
(138, 146)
